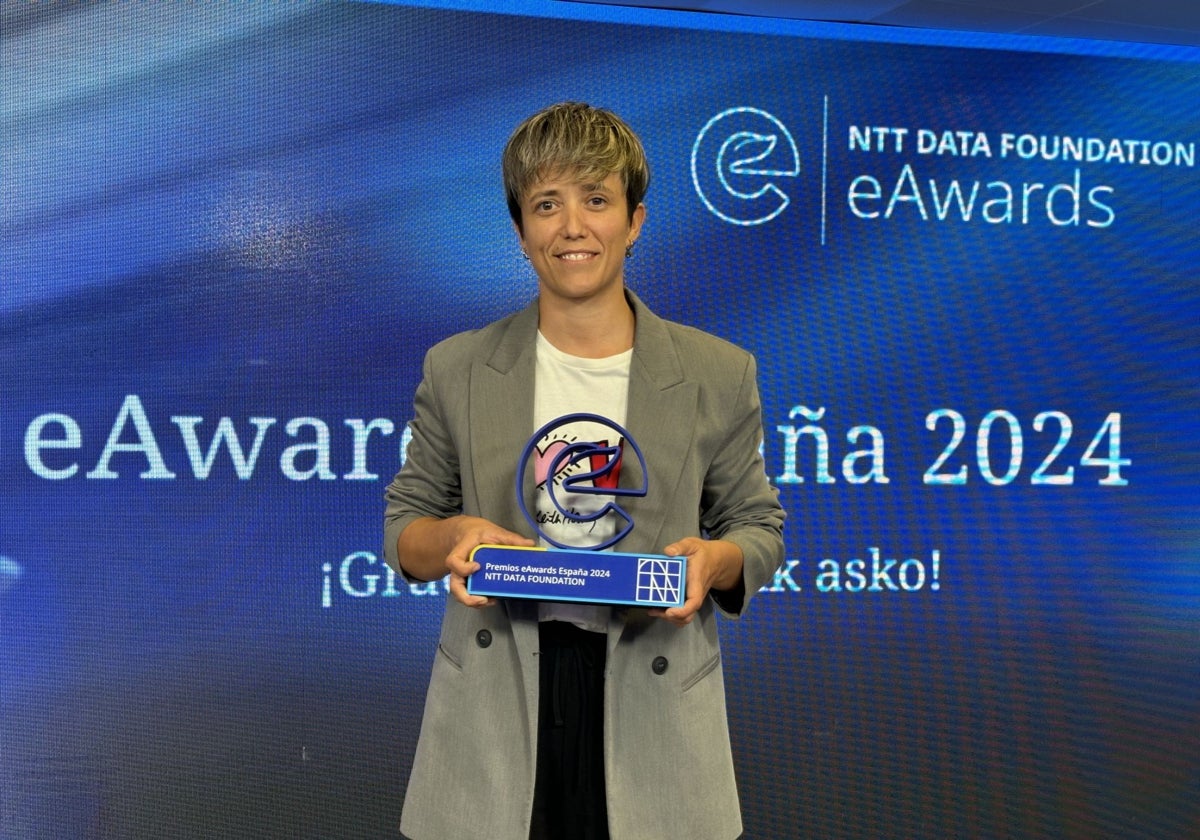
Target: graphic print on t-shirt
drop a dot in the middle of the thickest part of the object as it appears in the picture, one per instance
(596, 459)
(577, 467)
(577, 502)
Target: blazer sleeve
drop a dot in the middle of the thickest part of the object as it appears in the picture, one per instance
(738, 502)
(429, 481)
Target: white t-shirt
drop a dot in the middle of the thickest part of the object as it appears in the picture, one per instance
(567, 385)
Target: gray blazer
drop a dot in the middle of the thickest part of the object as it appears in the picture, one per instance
(694, 411)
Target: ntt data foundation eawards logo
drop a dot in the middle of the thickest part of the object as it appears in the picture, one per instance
(744, 161)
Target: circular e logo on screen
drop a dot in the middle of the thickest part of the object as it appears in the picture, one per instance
(736, 159)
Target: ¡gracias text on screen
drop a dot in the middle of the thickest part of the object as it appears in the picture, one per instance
(363, 575)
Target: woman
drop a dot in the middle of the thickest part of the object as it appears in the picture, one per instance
(570, 720)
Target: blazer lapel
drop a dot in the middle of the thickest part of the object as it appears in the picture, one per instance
(501, 421)
(662, 419)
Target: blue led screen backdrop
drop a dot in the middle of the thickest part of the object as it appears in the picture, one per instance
(968, 270)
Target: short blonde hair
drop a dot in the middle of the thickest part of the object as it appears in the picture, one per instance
(591, 143)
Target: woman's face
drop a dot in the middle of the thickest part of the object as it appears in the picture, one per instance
(576, 235)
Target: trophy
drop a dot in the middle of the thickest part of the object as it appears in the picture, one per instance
(583, 571)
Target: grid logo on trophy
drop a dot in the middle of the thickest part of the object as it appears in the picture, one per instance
(659, 581)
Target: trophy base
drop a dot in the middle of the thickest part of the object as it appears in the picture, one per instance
(583, 577)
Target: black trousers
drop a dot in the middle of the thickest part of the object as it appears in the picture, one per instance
(569, 797)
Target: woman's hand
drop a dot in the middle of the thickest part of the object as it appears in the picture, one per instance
(711, 564)
(431, 548)
(474, 532)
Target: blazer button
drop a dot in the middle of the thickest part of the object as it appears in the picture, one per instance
(483, 638)
(659, 665)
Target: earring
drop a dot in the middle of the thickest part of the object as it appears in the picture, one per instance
(525, 254)
(629, 250)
